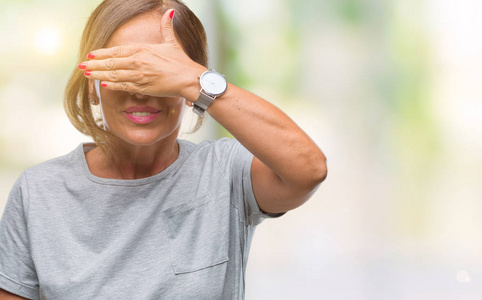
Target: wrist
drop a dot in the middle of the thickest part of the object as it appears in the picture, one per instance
(192, 86)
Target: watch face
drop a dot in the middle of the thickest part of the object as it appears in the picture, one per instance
(213, 83)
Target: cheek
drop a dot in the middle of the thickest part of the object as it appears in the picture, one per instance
(111, 101)
(105, 93)
(174, 112)
(175, 108)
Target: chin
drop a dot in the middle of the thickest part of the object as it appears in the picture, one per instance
(143, 138)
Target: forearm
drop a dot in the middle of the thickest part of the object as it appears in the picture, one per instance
(270, 135)
(5, 295)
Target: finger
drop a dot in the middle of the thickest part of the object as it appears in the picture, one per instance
(115, 52)
(167, 29)
(120, 86)
(114, 75)
(108, 64)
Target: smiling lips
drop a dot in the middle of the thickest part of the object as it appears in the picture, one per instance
(141, 114)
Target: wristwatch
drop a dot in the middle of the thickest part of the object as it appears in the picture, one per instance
(213, 84)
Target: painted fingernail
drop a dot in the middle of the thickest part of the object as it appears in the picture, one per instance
(82, 66)
(87, 73)
(172, 14)
(103, 84)
(91, 55)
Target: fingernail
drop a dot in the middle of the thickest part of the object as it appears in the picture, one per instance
(82, 65)
(87, 73)
(172, 14)
(103, 84)
(91, 55)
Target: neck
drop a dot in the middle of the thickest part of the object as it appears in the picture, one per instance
(134, 161)
(144, 161)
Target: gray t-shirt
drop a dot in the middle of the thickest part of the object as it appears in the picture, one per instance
(184, 233)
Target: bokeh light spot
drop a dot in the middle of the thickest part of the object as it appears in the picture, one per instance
(47, 40)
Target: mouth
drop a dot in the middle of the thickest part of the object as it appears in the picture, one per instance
(142, 115)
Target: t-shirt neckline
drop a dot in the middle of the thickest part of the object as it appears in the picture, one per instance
(85, 147)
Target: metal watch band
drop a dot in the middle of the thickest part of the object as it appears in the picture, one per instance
(202, 103)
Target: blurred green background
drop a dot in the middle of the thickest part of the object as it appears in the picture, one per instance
(390, 91)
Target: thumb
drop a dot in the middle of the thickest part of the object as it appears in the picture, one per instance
(167, 28)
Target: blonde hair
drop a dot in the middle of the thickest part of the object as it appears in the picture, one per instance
(103, 22)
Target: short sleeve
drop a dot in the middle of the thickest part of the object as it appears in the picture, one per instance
(17, 271)
(238, 163)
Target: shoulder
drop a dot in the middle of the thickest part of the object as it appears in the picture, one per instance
(225, 153)
(220, 147)
(54, 168)
(41, 177)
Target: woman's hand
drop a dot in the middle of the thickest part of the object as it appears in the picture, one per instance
(159, 70)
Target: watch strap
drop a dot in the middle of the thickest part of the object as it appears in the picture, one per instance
(202, 103)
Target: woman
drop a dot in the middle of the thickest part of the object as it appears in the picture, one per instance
(140, 214)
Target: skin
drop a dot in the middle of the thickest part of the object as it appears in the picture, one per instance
(4, 295)
(147, 59)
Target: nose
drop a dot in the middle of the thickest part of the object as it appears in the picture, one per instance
(139, 96)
